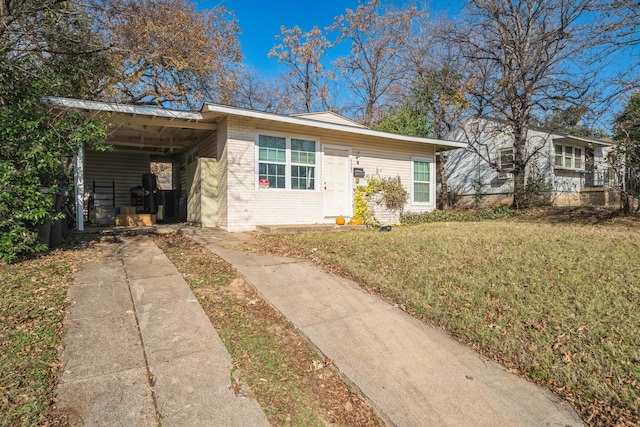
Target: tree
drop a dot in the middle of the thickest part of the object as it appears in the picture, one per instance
(54, 37)
(625, 155)
(255, 92)
(45, 49)
(373, 69)
(167, 52)
(570, 120)
(524, 58)
(408, 119)
(302, 53)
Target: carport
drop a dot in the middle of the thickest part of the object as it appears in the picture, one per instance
(136, 133)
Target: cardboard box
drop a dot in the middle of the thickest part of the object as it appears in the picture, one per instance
(135, 220)
(128, 210)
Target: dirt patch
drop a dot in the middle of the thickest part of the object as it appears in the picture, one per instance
(293, 383)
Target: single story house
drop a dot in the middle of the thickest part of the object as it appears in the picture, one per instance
(574, 168)
(237, 169)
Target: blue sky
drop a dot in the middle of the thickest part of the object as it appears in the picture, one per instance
(260, 22)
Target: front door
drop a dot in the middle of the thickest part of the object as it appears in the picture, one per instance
(337, 189)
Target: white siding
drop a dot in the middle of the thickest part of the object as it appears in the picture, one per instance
(465, 167)
(124, 168)
(223, 175)
(245, 206)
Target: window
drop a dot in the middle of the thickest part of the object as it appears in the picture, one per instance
(421, 181)
(286, 163)
(303, 161)
(568, 157)
(272, 157)
(506, 160)
(164, 174)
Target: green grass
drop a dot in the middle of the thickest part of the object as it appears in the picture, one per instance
(269, 375)
(559, 304)
(31, 312)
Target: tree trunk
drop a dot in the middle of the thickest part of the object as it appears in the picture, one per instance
(624, 192)
(519, 163)
(441, 172)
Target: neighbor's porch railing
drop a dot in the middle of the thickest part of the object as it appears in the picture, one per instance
(605, 177)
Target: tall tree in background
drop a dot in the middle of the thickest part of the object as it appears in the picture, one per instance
(523, 59)
(165, 52)
(53, 38)
(374, 67)
(619, 23)
(434, 92)
(302, 52)
(255, 92)
(571, 120)
(625, 155)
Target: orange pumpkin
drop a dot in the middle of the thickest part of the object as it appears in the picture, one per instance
(340, 220)
(355, 221)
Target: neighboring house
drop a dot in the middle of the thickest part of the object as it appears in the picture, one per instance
(236, 169)
(573, 168)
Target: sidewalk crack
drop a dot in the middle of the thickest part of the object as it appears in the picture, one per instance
(151, 378)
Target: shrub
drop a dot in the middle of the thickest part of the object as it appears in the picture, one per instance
(37, 148)
(387, 191)
(497, 212)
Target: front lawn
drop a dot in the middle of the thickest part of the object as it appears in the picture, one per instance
(556, 303)
(31, 312)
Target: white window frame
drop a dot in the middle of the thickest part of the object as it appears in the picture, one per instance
(288, 164)
(432, 195)
(513, 158)
(505, 173)
(564, 157)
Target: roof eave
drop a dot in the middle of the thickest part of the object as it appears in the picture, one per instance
(113, 107)
(302, 121)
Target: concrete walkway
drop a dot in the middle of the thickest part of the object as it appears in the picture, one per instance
(416, 375)
(140, 351)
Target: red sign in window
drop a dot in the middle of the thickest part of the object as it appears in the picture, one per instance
(264, 183)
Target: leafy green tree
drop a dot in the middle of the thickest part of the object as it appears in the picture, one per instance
(45, 49)
(37, 146)
(408, 119)
(571, 120)
(625, 155)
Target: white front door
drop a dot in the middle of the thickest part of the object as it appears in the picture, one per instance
(337, 189)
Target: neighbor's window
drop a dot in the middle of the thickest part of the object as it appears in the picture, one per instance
(287, 163)
(506, 160)
(421, 181)
(272, 158)
(568, 157)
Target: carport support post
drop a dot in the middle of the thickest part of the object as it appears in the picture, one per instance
(79, 185)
